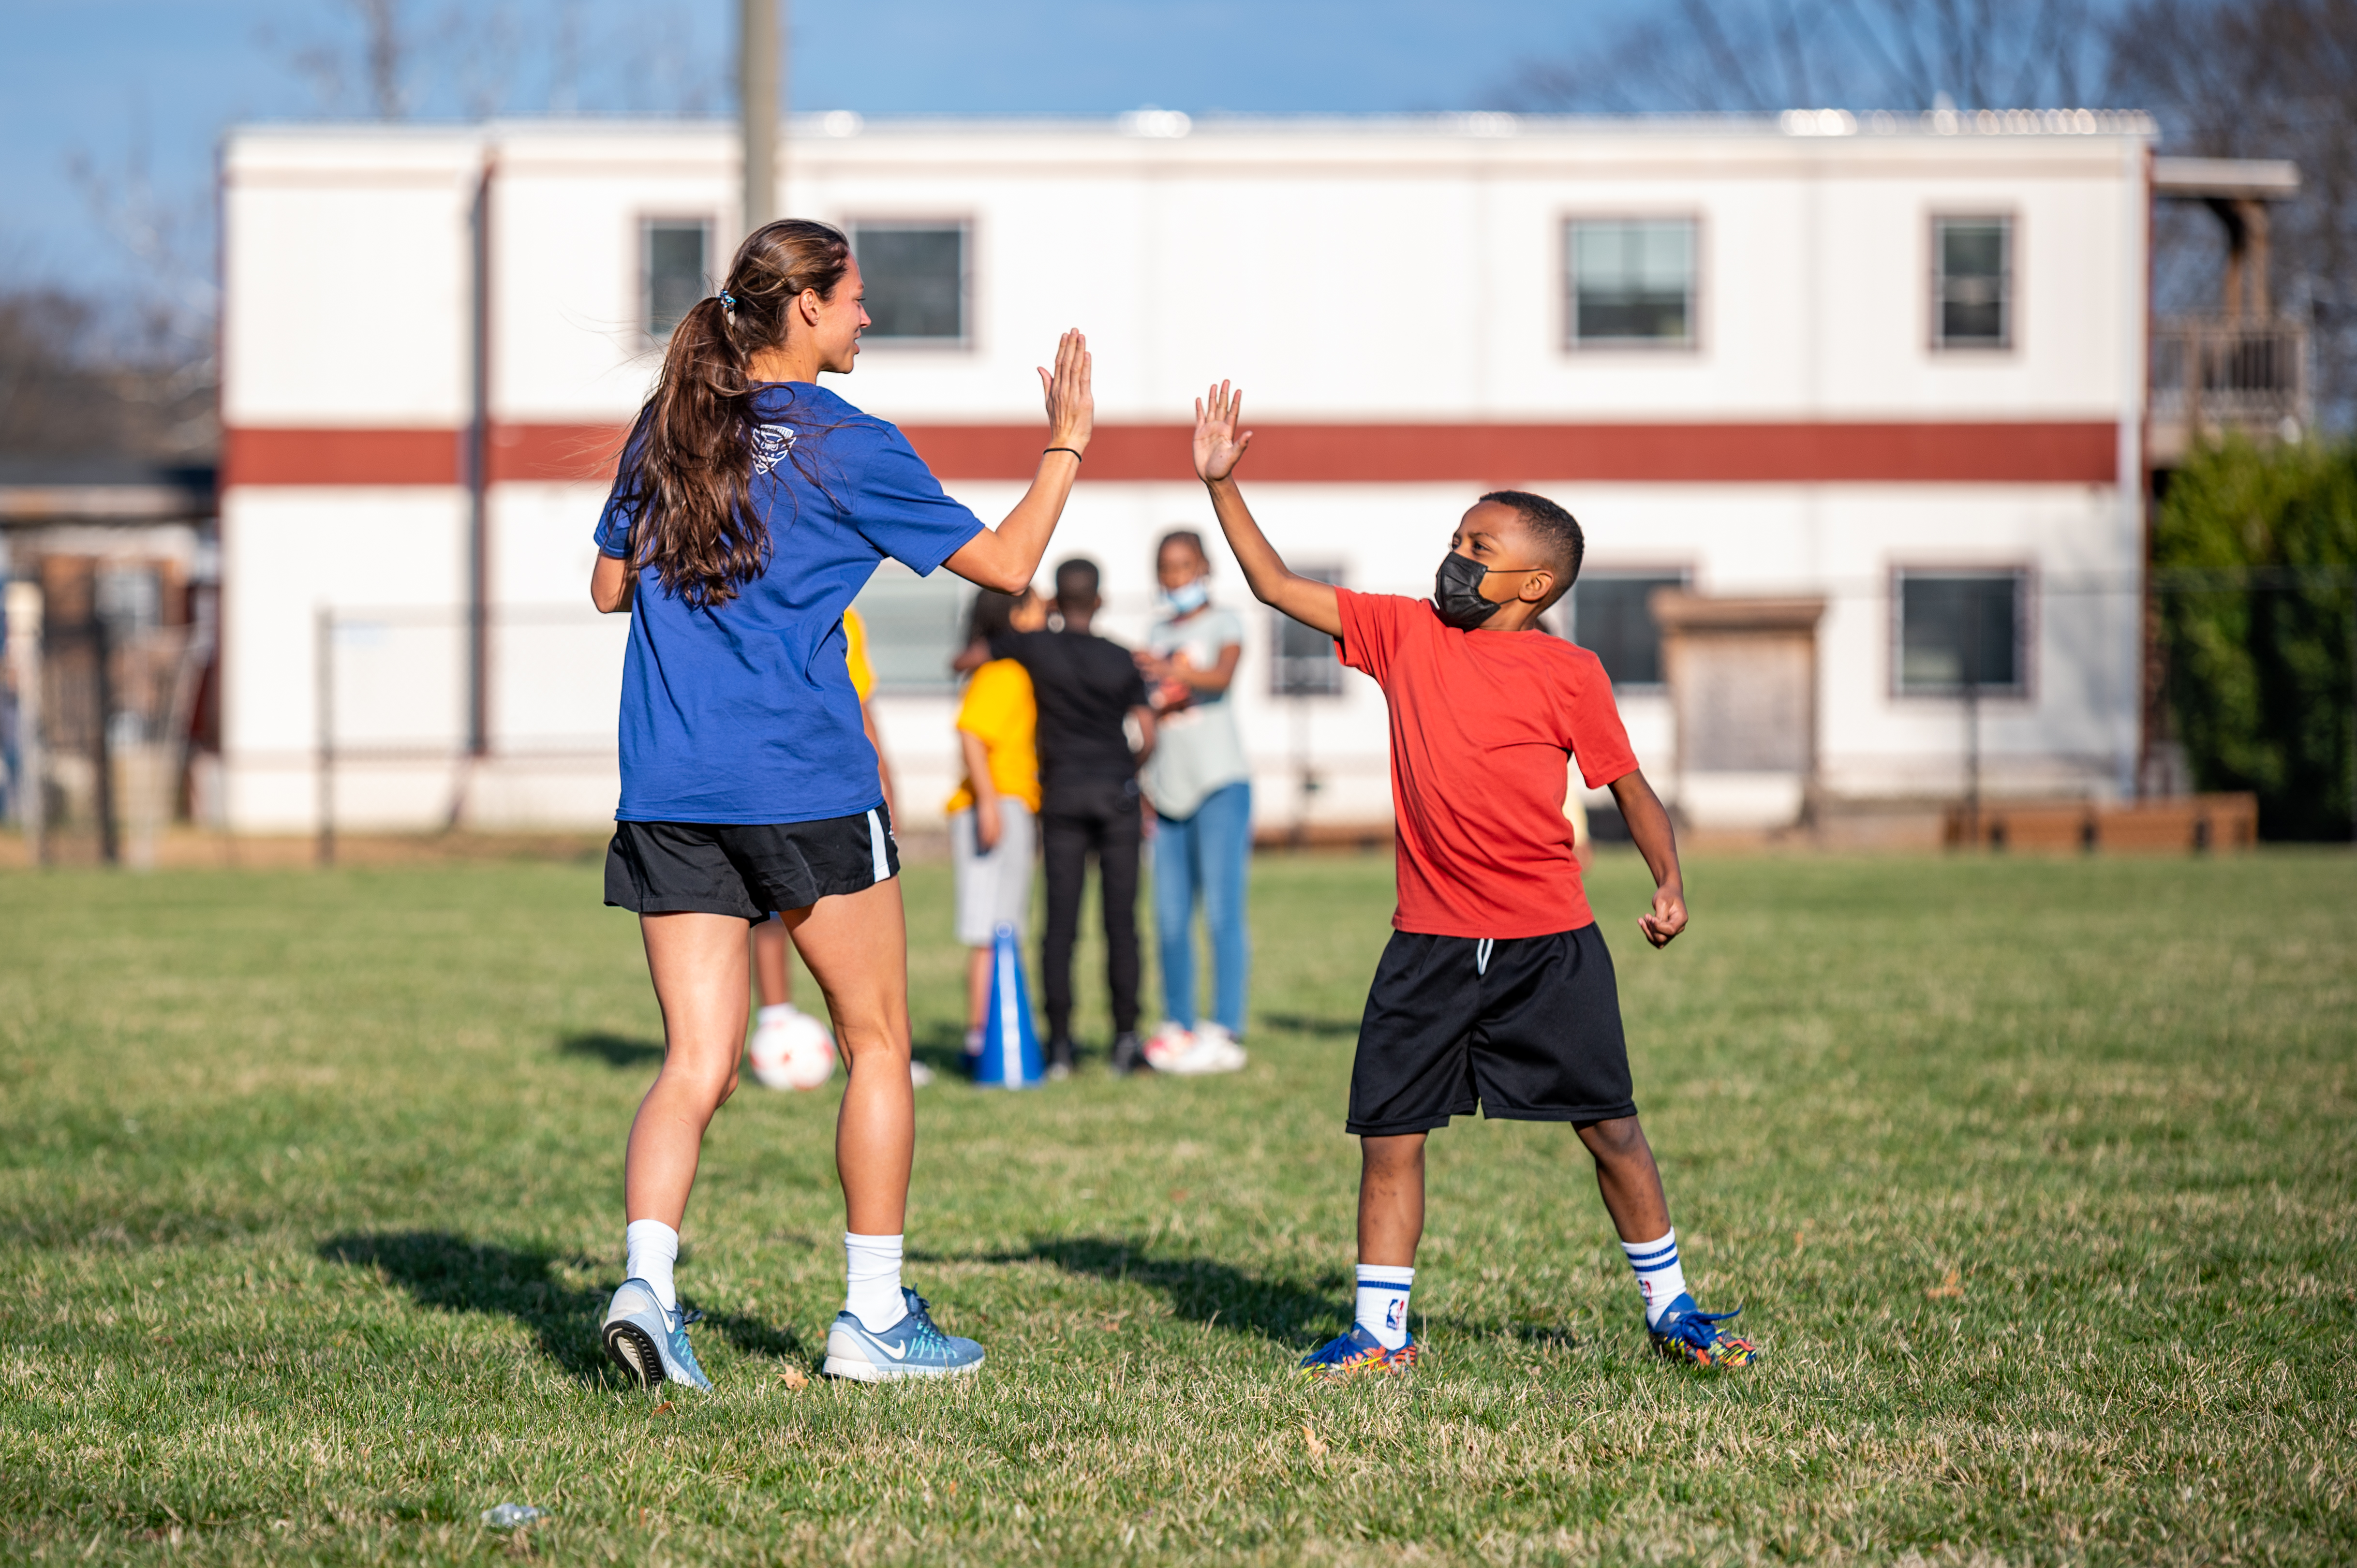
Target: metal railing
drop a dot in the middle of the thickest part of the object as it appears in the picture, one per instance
(101, 709)
(2214, 375)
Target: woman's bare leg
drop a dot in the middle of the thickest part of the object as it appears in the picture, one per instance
(698, 965)
(856, 945)
(773, 970)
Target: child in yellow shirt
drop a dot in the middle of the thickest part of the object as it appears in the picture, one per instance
(994, 827)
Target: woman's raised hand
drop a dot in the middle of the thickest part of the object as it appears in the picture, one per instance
(1071, 403)
(1218, 448)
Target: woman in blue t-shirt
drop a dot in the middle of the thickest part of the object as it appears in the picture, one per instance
(752, 506)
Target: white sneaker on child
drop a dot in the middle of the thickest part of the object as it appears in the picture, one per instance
(1168, 1043)
(1212, 1050)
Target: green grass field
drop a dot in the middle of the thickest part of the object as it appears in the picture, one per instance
(2039, 1181)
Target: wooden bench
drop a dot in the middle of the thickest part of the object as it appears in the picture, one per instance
(2180, 824)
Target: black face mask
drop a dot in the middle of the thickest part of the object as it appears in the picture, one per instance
(1456, 592)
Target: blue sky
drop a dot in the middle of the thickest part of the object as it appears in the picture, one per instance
(137, 91)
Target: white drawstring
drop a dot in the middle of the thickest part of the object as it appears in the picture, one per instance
(1482, 955)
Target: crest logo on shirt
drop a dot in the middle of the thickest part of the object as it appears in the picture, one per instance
(770, 444)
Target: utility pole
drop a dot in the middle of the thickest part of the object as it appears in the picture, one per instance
(1972, 673)
(759, 53)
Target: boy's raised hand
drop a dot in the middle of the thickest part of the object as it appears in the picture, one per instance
(1218, 448)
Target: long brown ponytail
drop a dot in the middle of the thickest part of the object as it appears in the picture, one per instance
(687, 479)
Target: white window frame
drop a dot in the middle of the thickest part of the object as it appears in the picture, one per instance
(2008, 284)
(1684, 574)
(1279, 662)
(968, 229)
(2024, 687)
(1568, 286)
(648, 223)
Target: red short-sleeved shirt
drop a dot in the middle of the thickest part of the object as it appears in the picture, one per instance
(1481, 724)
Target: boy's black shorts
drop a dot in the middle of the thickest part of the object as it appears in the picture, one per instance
(748, 870)
(1526, 1028)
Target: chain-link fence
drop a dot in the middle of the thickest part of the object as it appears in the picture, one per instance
(524, 692)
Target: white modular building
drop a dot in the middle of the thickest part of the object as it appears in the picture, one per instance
(1865, 395)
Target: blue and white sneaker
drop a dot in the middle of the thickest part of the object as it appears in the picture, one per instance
(1354, 1351)
(911, 1347)
(1687, 1333)
(650, 1342)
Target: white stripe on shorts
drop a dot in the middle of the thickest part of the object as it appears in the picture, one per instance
(876, 845)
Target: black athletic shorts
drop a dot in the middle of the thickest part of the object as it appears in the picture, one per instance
(750, 871)
(1526, 1028)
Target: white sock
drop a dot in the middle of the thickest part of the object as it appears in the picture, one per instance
(1383, 1303)
(1660, 1277)
(776, 1013)
(654, 1248)
(973, 1042)
(872, 1275)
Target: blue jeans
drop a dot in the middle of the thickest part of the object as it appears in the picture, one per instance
(1209, 852)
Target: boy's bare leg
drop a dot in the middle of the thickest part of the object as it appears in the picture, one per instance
(1390, 1199)
(1628, 1177)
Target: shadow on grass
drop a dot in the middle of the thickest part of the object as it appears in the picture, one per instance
(614, 1051)
(450, 1274)
(1303, 1024)
(752, 1337)
(942, 1046)
(1296, 1311)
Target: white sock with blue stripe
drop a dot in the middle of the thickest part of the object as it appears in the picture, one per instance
(1383, 1303)
(1660, 1278)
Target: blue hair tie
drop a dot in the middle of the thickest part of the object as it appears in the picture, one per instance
(727, 300)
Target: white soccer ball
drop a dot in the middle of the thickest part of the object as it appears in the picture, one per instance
(796, 1052)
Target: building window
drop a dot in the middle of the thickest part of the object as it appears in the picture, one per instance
(1971, 288)
(1612, 618)
(673, 252)
(1307, 661)
(916, 278)
(915, 627)
(1631, 281)
(1962, 632)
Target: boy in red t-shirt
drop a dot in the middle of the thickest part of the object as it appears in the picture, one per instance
(1495, 991)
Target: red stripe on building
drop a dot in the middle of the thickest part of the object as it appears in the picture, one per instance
(1793, 453)
(1705, 454)
(555, 452)
(277, 456)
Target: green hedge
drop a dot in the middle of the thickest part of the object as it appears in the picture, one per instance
(2252, 556)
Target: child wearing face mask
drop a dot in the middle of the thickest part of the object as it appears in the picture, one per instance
(1200, 788)
(1495, 992)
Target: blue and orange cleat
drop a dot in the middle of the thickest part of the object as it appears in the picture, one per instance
(1686, 1332)
(1349, 1353)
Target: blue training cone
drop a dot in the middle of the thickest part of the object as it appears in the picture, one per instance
(1010, 1044)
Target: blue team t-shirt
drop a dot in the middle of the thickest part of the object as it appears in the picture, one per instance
(745, 713)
